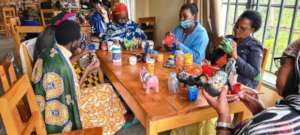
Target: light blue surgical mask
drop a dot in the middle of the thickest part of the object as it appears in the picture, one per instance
(186, 23)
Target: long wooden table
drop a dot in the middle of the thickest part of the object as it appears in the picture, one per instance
(163, 111)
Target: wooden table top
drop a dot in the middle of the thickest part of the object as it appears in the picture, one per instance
(155, 105)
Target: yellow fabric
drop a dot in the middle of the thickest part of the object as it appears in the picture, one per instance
(90, 81)
(99, 105)
(202, 128)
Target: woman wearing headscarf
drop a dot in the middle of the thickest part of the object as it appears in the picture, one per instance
(281, 119)
(121, 27)
(95, 105)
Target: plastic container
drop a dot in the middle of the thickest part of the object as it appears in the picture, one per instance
(179, 62)
(173, 83)
(192, 93)
(116, 54)
(151, 66)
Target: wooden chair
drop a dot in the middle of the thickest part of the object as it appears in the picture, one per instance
(47, 15)
(7, 13)
(150, 21)
(17, 32)
(12, 121)
(8, 77)
(263, 66)
(7, 68)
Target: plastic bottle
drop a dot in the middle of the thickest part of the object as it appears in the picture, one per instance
(179, 62)
(116, 54)
(173, 83)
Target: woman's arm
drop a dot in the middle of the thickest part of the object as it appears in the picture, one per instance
(251, 67)
(220, 104)
(198, 47)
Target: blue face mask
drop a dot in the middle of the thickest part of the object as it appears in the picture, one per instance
(186, 23)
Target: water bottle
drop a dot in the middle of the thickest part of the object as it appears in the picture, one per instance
(173, 83)
(116, 54)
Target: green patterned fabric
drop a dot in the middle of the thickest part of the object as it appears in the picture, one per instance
(55, 91)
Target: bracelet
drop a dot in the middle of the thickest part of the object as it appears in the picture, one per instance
(224, 125)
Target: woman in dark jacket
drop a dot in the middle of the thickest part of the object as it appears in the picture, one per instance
(247, 51)
(284, 118)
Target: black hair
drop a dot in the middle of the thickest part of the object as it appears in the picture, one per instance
(25, 15)
(94, 2)
(67, 32)
(190, 6)
(255, 18)
(45, 40)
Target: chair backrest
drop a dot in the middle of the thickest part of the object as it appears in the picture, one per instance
(12, 121)
(47, 15)
(264, 60)
(7, 13)
(18, 30)
(7, 68)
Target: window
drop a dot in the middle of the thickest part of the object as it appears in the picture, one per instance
(130, 5)
(280, 27)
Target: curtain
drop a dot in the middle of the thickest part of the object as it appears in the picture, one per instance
(130, 5)
(210, 17)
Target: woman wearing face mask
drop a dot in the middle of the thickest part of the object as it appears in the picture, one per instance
(191, 35)
(121, 27)
(281, 119)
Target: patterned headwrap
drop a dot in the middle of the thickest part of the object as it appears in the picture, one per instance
(61, 17)
(293, 49)
(120, 7)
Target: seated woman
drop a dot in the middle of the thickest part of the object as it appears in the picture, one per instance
(29, 19)
(191, 35)
(281, 119)
(63, 104)
(247, 51)
(98, 19)
(121, 27)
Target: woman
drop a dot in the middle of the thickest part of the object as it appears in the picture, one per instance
(281, 119)
(98, 19)
(92, 106)
(121, 27)
(247, 51)
(191, 35)
(29, 19)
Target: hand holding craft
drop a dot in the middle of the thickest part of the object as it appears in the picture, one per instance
(220, 104)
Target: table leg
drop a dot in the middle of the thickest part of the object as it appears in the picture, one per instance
(151, 128)
(241, 116)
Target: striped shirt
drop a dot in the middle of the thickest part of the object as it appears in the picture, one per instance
(283, 119)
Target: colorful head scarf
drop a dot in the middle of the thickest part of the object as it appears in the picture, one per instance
(120, 7)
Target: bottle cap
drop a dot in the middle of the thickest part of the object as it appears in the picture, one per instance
(173, 74)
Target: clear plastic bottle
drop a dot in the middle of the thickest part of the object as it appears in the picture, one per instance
(173, 83)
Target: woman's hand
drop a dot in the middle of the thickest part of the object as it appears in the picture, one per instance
(220, 104)
(94, 65)
(249, 97)
(234, 53)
